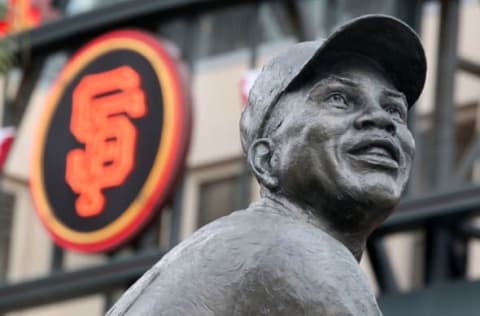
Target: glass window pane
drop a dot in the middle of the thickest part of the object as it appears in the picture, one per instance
(218, 198)
(6, 206)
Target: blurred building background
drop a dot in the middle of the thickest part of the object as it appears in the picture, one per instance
(425, 260)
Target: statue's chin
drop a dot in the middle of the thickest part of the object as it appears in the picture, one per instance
(364, 207)
(381, 191)
(380, 197)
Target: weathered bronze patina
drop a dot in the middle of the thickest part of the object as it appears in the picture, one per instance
(325, 134)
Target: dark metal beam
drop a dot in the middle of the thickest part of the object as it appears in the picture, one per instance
(469, 66)
(13, 111)
(438, 238)
(437, 244)
(382, 267)
(176, 215)
(148, 239)
(67, 285)
(444, 112)
(453, 298)
(468, 230)
(466, 163)
(416, 213)
(57, 258)
(410, 11)
(295, 18)
(61, 33)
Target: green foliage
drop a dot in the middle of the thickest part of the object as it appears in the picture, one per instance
(6, 57)
(3, 11)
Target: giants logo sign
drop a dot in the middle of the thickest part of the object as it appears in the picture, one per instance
(101, 123)
(111, 142)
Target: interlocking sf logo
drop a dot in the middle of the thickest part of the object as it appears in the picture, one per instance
(111, 141)
(102, 106)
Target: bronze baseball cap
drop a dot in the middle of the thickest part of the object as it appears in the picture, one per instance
(385, 39)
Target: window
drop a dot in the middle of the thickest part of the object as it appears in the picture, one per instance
(465, 126)
(6, 206)
(217, 32)
(218, 198)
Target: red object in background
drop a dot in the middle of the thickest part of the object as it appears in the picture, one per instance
(20, 15)
(48, 12)
(7, 134)
(3, 28)
(246, 84)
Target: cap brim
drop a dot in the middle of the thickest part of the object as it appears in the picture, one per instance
(388, 41)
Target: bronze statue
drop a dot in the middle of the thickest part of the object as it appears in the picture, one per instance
(325, 133)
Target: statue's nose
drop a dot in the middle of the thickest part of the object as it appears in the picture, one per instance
(375, 117)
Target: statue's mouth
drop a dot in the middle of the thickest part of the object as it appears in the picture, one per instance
(379, 152)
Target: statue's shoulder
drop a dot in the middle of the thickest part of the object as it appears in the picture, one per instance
(298, 269)
(244, 263)
(201, 269)
(301, 270)
(286, 244)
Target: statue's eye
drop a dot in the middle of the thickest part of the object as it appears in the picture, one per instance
(338, 99)
(395, 112)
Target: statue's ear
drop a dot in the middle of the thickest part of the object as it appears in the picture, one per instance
(259, 158)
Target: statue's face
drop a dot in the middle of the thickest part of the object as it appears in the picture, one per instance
(344, 139)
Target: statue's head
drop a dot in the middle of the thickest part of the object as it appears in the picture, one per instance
(326, 121)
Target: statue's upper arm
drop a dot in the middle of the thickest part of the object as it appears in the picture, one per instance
(304, 278)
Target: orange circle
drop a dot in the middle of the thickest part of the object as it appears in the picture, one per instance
(169, 158)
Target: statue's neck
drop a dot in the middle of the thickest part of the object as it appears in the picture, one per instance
(355, 241)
